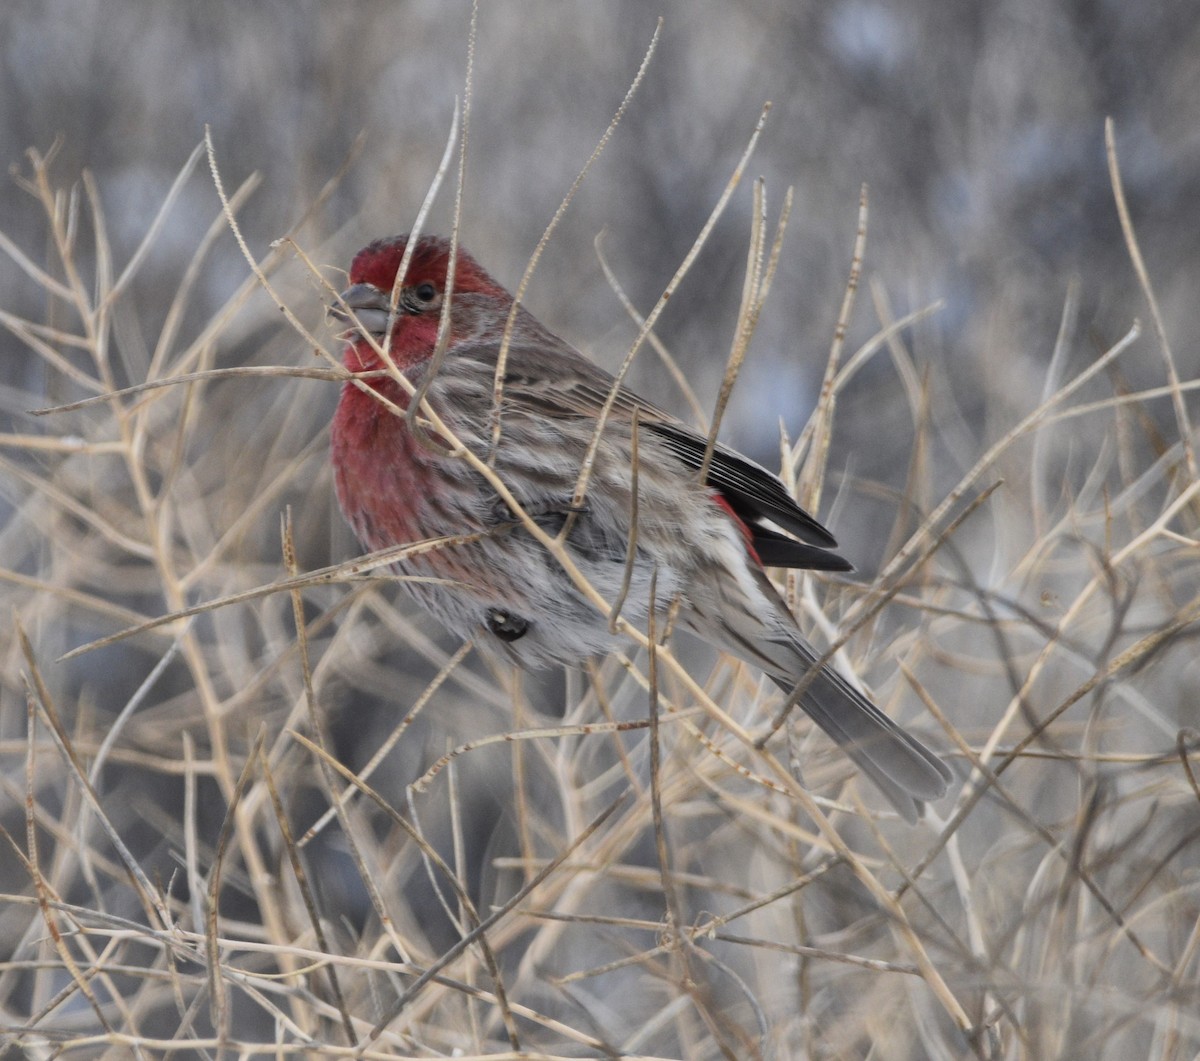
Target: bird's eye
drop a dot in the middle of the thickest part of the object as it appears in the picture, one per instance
(425, 292)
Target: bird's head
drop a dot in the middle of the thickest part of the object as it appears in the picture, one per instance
(417, 308)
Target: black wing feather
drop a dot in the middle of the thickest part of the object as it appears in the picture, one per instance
(779, 550)
(753, 491)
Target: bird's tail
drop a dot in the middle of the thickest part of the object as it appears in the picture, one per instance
(901, 767)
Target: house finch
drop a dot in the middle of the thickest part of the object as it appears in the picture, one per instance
(704, 542)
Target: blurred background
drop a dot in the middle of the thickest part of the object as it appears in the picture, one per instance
(979, 131)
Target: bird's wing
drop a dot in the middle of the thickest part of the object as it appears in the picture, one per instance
(553, 379)
(753, 491)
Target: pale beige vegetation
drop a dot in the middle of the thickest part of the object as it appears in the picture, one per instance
(255, 805)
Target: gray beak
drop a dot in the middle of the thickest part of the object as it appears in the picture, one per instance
(370, 306)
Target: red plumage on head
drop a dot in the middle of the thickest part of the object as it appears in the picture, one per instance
(373, 279)
(378, 263)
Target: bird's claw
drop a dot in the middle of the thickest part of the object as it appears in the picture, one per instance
(505, 625)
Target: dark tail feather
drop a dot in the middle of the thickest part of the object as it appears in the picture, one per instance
(900, 766)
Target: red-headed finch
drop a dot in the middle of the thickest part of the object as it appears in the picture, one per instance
(707, 541)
